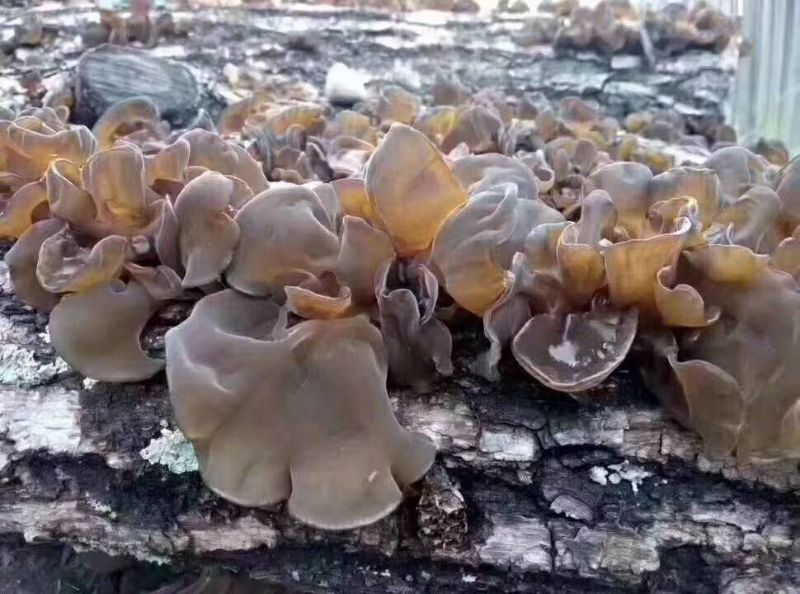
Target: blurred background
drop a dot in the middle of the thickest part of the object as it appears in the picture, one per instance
(766, 99)
(761, 62)
(767, 85)
(764, 103)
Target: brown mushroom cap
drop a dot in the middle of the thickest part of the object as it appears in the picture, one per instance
(19, 212)
(319, 299)
(699, 183)
(628, 184)
(284, 240)
(477, 127)
(681, 305)
(115, 178)
(395, 104)
(21, 260)
(356, 456)
(123, 117)
(347, 155)
(321, 432)
(279, 120)
(477, 173)
(476, 244)
(351, 123)
(749, 378)
(544, 279)
(411, 188)
(580, 262)
(505, 318)
(787, 186)
(170, 163)
(207, 233)
(64, 266)
(31, 146)
(543, 173)
(437, 122)
(212, 152)
(353, 200)
(632, 265)
(162, 282)
(232, 119)
(787, 255)
(738, 170)
(577, 351)
(751, 220)
(166, 237)
(330, 201)
(65, 193)
(714, 401)
(97, 332)
(418, 344)
(364, 249)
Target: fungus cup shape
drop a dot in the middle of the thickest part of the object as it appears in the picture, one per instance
(319, 433)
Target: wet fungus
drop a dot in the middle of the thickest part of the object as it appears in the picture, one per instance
(327, 439)
(336, 254)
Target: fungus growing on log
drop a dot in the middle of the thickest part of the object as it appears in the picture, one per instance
(207, 233)
(348, 272)
(97, 332)
(411, 188)
(286, 238)
(320, 433)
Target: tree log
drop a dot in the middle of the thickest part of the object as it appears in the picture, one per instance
(532, 491)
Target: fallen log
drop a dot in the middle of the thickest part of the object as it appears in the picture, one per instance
(531, 491)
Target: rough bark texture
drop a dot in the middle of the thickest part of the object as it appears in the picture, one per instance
(531, 492)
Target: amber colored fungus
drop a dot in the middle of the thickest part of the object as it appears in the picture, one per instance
(329, 257)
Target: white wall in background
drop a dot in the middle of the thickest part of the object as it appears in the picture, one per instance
(767, 97)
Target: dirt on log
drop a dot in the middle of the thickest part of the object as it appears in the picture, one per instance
(531, 491)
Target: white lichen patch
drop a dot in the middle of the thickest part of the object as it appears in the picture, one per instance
(101, 508)
(43, 419)
(18, 364)
(616, 473)
(632, 473)
(171, 450)
(599, 475)
(19, 367)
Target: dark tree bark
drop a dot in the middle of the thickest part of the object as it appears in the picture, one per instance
(531, 492)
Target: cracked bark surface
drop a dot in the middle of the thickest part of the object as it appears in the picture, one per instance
(531, 491)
